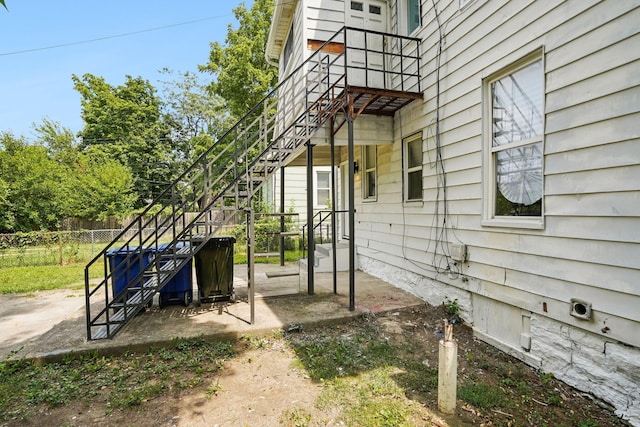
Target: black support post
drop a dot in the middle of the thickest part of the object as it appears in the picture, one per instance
(282, 216)
(352, 231)
(334, 234)
(310, 241)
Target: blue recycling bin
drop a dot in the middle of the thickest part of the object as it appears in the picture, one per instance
(179, 289)
(123, 271)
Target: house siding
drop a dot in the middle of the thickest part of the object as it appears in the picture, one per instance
(516, 285)
(588, 248)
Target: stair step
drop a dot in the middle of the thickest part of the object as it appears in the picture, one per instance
(103, 334)
(266, 255)
(271, 274)
(284, 233)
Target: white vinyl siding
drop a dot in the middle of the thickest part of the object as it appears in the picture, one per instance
(588, 247)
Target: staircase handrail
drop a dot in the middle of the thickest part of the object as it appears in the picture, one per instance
(205, 183)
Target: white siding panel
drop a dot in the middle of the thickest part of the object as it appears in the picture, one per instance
(615, 80)
(594, 134)
(595, 181)
(615, 105)
(624, 230)
(596, 29)
(598, 62)
(620, 304)
(626, 153)
(609, 253)
(610, 204)
(610, 278)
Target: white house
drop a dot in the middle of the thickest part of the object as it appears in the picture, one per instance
(500, 166)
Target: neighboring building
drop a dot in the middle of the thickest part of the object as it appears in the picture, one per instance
(295, 190)
(513, 183)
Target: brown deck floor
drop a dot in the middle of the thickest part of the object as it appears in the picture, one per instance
(52, 324)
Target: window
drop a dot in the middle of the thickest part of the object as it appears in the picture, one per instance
(412, 15)
(412, 166)
(323, 189)
(369, 163)
(514, 148)
(288, 49)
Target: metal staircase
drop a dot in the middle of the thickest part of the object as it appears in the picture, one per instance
(222, 181)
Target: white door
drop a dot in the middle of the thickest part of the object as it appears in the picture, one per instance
(344, 199)
(365, 58)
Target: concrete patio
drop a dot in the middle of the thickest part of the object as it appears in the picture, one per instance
(49, 325)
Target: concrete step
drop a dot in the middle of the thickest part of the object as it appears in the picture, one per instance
(324, 261)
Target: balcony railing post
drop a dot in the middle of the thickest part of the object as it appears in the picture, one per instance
(346, 57)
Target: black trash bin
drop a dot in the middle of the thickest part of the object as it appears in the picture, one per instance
(214, 269)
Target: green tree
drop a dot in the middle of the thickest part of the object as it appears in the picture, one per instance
(104, 189)
(126, 123)
(197, 117)
(242, 75)
(97, 187)
(34, 187)
(60, 142)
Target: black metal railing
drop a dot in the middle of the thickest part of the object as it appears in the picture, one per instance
(232, 170)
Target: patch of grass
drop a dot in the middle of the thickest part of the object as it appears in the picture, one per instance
(480, 395)
(365, 377)
(119, 382)
(214, 389)
(72, 252)
(418, 377)
(371, 398)
(32, 279)
(289, 256)
(297, 417)
(554, 400)
(343, 356)
(452, 307)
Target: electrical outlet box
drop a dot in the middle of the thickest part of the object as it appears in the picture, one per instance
(458, 252)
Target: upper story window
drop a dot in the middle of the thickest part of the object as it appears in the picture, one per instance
(288, 49)
(412, 15)
(514, 148)
(369, 172)
(412, 167)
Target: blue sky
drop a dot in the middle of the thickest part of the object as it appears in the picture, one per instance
(37, 84)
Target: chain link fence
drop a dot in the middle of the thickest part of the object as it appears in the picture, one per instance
(60, 247)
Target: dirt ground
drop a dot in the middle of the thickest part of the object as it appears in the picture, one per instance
(261, 384)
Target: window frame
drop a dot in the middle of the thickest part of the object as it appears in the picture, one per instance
(365, 169)
(406, 170)
(404, 17)
(489, 217)
(317, 204)
(288, 50)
